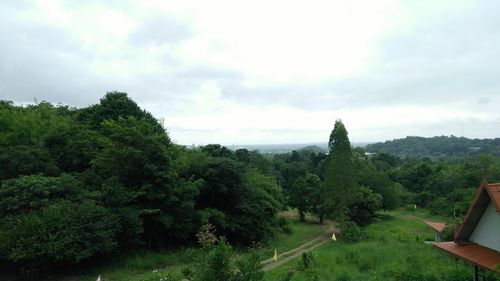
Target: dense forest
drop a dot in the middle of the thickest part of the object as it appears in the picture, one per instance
(81, 183)
(437, 147)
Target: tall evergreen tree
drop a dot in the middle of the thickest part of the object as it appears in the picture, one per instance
(339, 173)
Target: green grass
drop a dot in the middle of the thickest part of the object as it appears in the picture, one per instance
(302, 232)
(392, 250)
(140, 266)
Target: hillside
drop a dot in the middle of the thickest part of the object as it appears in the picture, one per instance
(436, 147)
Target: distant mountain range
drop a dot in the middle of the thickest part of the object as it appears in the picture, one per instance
(285, 148)
(436, 147)
(411, 147)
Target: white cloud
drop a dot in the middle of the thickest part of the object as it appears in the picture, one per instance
(264, 71)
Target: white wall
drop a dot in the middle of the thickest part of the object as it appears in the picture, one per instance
(487, 232)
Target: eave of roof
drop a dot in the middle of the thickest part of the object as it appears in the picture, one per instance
(437, 226)
(473, 253)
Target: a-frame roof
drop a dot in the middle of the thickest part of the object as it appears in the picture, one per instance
(463, 248)
(485, 194)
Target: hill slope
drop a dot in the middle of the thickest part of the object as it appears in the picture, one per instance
(436, 147)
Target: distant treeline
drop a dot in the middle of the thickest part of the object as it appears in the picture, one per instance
(437, 147)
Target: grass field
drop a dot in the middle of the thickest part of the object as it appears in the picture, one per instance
(392, 250)
(140, 266)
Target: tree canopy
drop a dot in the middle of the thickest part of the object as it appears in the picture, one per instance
(79, 183)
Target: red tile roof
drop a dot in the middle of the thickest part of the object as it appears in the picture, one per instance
(494, 192)
(481, 256)
(437, 226)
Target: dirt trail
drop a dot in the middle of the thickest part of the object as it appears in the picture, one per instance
(412, 217)
(308, 246)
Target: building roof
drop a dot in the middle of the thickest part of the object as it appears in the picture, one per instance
(462, 247)
(494, 191)
(485, 194)
(437, 226)
(473, 253)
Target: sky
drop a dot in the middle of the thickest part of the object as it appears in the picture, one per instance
(257, 72)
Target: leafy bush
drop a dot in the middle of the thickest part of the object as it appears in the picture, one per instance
(364, 205)
(219, 266)
(63, 232)
(284, 225)
(449, 231)
(249, 268)
(351, 232)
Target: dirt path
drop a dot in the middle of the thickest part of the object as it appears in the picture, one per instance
(308, 246)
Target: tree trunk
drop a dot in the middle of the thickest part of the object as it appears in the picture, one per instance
(302, 216)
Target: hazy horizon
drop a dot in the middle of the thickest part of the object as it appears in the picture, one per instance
(215, 74)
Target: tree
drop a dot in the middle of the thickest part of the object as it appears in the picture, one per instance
(303, 194)
(62, 232)
(81, 183)
(339, 180)
(365, 204)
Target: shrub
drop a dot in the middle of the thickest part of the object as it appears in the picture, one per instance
(307, 260)
(219, 266)
(351, 232)
(206, 236)
(449, 230)
(249, 268)
(284, 225)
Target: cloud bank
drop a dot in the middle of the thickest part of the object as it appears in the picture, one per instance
(239, 72)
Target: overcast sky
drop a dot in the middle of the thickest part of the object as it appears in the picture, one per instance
(253, 72)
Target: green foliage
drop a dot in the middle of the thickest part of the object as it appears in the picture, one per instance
(305, 194)
(241, 203)
(458, 274)
(377, 179)
(351, 232)
(115, 164)
(387, 252)
(339, 173)
(307, 260)
(437, 147)
(112, 179)
(365, 204)
(206, 236)
(31, 193)
(249, 268)
(448, 233)
(220, 266)
(284, 225)
(62, 232)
